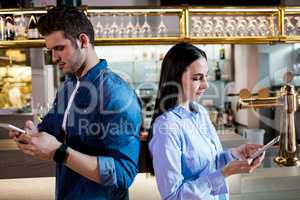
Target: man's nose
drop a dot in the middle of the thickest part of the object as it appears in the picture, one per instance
(55, 56)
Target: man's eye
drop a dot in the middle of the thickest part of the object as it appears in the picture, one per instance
(59, 48)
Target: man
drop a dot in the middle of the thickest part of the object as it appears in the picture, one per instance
(92, 131)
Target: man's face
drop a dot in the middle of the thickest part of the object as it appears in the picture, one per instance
(64, 54)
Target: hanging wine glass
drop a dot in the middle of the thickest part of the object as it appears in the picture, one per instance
(207, 26)
(99, 27)
(162, 29)
(252, 30)
(122, 29)
(129, 27)
(218, 30)
(114, 27)
(195, 26)
(289, 27)
(230, 26)
(146, 27)
(263, 26)
(297, 26)
(106, 29)
(241, 26)
(137, 28)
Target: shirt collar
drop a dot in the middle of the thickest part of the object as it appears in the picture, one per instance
(93, 73)
(183, 113)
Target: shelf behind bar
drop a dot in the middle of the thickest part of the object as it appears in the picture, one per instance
(36, 43)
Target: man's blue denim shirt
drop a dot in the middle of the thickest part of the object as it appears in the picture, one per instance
(104, 121)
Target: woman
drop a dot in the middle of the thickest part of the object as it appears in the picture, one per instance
(187, 156)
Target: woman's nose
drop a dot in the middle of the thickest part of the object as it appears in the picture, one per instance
(204, 83)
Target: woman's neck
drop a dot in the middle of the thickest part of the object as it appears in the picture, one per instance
(184, 104)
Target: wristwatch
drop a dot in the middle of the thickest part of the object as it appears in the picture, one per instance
(60, 154)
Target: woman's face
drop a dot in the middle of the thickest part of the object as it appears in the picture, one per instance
(194, 80)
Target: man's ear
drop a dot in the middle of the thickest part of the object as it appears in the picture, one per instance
(84, 40)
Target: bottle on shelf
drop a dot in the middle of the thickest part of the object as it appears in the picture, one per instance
(222, 53)
(32, 28)
(218, 72)
(230, 115)
(220, 120)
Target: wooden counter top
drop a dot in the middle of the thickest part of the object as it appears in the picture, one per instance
(8, 144)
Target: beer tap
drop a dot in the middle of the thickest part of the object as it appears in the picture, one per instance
(288, 100)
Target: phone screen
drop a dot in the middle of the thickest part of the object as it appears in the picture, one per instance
(11, 127)
(264, 148)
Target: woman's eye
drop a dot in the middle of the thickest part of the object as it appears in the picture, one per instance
(198, 79)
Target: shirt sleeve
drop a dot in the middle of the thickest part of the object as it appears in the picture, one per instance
(165, 147)
(121, 118)
(224, 158)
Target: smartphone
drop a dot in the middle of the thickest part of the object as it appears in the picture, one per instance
(11, 127)
(264, 148)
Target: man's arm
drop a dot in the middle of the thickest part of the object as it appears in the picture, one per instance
(83, 164)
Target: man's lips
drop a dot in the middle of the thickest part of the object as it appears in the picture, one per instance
(61, 65)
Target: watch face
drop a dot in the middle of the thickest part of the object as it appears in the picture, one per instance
(60, 154)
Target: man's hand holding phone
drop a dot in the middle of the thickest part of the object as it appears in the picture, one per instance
(20, 135)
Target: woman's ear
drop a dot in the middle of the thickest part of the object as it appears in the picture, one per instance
(84, 40)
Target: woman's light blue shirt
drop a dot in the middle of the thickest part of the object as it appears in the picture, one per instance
(187, 155)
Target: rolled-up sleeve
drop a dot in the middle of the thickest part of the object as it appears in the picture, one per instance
(107, 170)
(165, 147)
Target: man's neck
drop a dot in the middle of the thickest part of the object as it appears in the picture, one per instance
(90, 62)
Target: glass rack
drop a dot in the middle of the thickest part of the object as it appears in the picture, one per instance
(164, 25)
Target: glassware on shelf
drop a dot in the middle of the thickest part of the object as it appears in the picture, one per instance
(196, 26)
(162, 29)
(241, 28)
(98, 26)
(230, 26)
(137, 28)
(2, 29)
(207, 26)
(122, 28)
(129, 27)
(218, 29)
(252, 26)
(20, 25)
(263, 26)
(146, 29)
(114, 27)
(289, 27)
(272, 27)
(32, 31)
(39, 112)
(297, 26)
(9, 28)
(106, 27)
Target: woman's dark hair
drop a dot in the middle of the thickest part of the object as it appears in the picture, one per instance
(67, 19)
(175, 63)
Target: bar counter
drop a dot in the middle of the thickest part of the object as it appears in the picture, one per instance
(23, 177)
